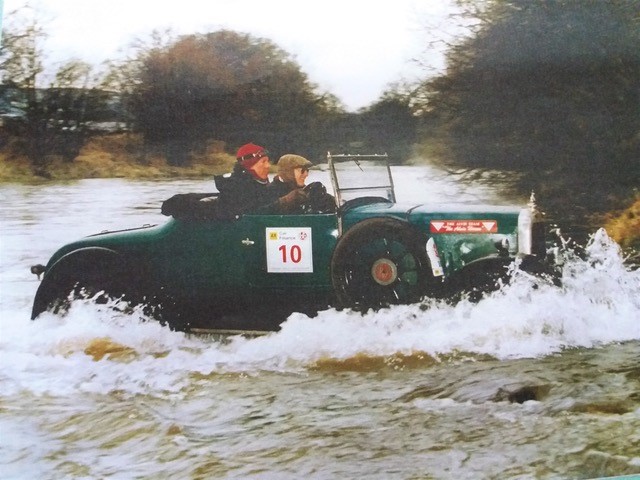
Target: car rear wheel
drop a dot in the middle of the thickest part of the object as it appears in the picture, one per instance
(82, 273)
(380, 262)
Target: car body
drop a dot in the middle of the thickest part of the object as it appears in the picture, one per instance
(247, 272)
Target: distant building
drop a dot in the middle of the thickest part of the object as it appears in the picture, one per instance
(99, 110)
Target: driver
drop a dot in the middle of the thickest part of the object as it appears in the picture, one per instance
(246, 190)
(293, 171)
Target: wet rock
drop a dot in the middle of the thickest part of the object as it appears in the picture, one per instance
(522, 394)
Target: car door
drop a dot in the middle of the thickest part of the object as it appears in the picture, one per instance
(289, 251)
(204, 257)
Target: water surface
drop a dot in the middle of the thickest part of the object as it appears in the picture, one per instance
(532, 382)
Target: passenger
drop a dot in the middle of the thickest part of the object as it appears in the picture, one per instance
(245, 190)
(293, 171)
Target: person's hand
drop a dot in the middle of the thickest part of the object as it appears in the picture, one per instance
(293, 199)
(315, 189)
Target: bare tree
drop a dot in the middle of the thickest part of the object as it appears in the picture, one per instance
(20, 67)
(54, 111)
(225, 86)
(123, 76)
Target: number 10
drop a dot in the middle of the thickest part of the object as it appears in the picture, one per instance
(295, 253)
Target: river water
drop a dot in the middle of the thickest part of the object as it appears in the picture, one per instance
(534, 381)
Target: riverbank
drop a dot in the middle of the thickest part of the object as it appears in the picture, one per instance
(114, 156)
(624, 227)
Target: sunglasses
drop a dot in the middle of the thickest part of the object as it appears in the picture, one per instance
(249, 156)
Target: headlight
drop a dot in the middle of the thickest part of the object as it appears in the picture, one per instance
(524, 231)
(531, 230)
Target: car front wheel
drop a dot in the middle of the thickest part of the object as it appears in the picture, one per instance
(380, 262)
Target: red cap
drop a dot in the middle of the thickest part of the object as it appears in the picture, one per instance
(249, 154)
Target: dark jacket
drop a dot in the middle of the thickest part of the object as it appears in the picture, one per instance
(239, 193)
(278, 189)
(319, 200)
(242, 193)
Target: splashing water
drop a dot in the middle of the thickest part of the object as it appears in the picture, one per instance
(94, 349)
(407, 392)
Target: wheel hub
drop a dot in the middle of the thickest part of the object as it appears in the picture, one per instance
(384, 271)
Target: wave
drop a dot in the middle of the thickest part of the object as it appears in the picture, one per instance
(94, 349)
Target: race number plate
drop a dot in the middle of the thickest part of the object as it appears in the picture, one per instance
(289, 250)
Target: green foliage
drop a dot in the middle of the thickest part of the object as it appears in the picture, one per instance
(551, 89)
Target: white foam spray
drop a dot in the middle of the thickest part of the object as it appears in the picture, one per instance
(598, 303)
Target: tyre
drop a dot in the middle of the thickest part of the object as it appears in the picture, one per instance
(81, 273)
(380, 262)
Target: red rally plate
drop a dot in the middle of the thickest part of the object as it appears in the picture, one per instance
(463, 226)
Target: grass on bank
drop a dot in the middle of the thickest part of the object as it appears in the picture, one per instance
(115, 156)
(624, 226)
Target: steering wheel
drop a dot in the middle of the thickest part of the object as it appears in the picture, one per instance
(319, 201)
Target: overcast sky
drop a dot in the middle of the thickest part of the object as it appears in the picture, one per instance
(352, 48)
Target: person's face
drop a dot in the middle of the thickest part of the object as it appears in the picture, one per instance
(262, 168)
(300, 174)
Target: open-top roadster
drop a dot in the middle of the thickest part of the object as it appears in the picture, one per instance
(198, 271)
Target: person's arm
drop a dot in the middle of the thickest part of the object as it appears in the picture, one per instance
(289, 203)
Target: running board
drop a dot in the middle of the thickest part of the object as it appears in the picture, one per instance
(228, 333)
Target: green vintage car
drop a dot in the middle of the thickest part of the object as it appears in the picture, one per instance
(248, 272)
